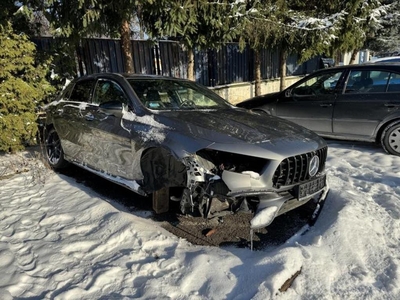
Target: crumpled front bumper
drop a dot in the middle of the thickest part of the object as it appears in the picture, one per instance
(268, 209)
(273, 202)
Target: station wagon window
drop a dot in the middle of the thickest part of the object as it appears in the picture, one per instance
(82, 91)
(367, 81)
(109, 91)
(318, 85)
(394, 83)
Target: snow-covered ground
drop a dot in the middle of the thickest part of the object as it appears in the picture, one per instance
(61, 240)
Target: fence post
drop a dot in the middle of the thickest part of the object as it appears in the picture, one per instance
(212, 67)
(157, 59)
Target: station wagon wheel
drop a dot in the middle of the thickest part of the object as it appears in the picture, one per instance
(54, 151)
(391, 138)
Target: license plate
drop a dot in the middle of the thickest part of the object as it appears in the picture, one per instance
(310, 188)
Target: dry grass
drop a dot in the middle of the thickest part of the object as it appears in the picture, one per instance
(30, 162)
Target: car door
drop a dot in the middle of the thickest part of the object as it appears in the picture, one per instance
(368, 98)
(69, 118)
(310, 103)
(110, 147)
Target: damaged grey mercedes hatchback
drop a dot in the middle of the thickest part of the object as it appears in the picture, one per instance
(182, 142)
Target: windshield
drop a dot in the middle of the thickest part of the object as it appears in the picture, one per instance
(165, 94)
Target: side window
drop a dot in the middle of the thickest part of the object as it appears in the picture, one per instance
(361, 81)
(394, 83)
(108, 91)
(82, 91)
(65, 94)
(318, 85)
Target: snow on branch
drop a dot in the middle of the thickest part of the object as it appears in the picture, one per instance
(313, 24)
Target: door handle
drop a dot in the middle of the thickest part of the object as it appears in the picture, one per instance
(89, 117)
(325, 104)
(391, 105)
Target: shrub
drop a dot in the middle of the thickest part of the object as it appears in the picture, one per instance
(23, 87)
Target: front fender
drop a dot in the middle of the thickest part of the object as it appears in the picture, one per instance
(161, 169)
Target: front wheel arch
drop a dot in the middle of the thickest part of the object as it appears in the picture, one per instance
(161, 169)
(382, 126)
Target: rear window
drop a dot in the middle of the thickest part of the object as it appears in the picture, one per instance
(394, 83)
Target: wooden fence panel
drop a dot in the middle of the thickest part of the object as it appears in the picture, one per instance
(212, 67)
(173, 59)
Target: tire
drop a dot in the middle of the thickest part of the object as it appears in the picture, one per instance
(390, 139)
(54, 151)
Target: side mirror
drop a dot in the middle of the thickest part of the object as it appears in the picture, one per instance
(112, 108)
(288, 93)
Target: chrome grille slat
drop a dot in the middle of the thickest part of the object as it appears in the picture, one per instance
(287, 180)
(293, 170)
(303, 167)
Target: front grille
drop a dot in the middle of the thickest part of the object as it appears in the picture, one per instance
(293, 170)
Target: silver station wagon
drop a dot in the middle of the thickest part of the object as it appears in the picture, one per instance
(178, 141)
(353, 102)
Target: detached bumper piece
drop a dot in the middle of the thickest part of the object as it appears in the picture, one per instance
(268, 209)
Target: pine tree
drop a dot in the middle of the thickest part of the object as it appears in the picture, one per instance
(23, 86)
(196, 24)
(384, 36)
(261, 29)
(355, 25)
(309, 28)
(77, 19)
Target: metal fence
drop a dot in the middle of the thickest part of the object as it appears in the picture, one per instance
(212, 67)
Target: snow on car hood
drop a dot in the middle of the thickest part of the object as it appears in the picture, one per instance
(247, 131)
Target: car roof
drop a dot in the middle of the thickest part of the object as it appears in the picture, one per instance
(126, 75)
(390, 66)
(386, 59)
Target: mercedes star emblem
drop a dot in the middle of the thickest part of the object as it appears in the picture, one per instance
(314, 166)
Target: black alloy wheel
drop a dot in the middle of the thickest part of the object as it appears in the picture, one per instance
(54, 151)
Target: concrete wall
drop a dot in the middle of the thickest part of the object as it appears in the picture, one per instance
(237, 92)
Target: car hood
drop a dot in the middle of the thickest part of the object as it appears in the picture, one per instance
(239, 130)
(259, 100)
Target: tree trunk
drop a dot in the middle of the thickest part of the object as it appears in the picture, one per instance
(282, 68)
(190, 65)
(126, 47)
(257, 72)
(353, 57)
(336, 57)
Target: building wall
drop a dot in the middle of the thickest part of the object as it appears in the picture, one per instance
(238, 92)
(362, 56)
